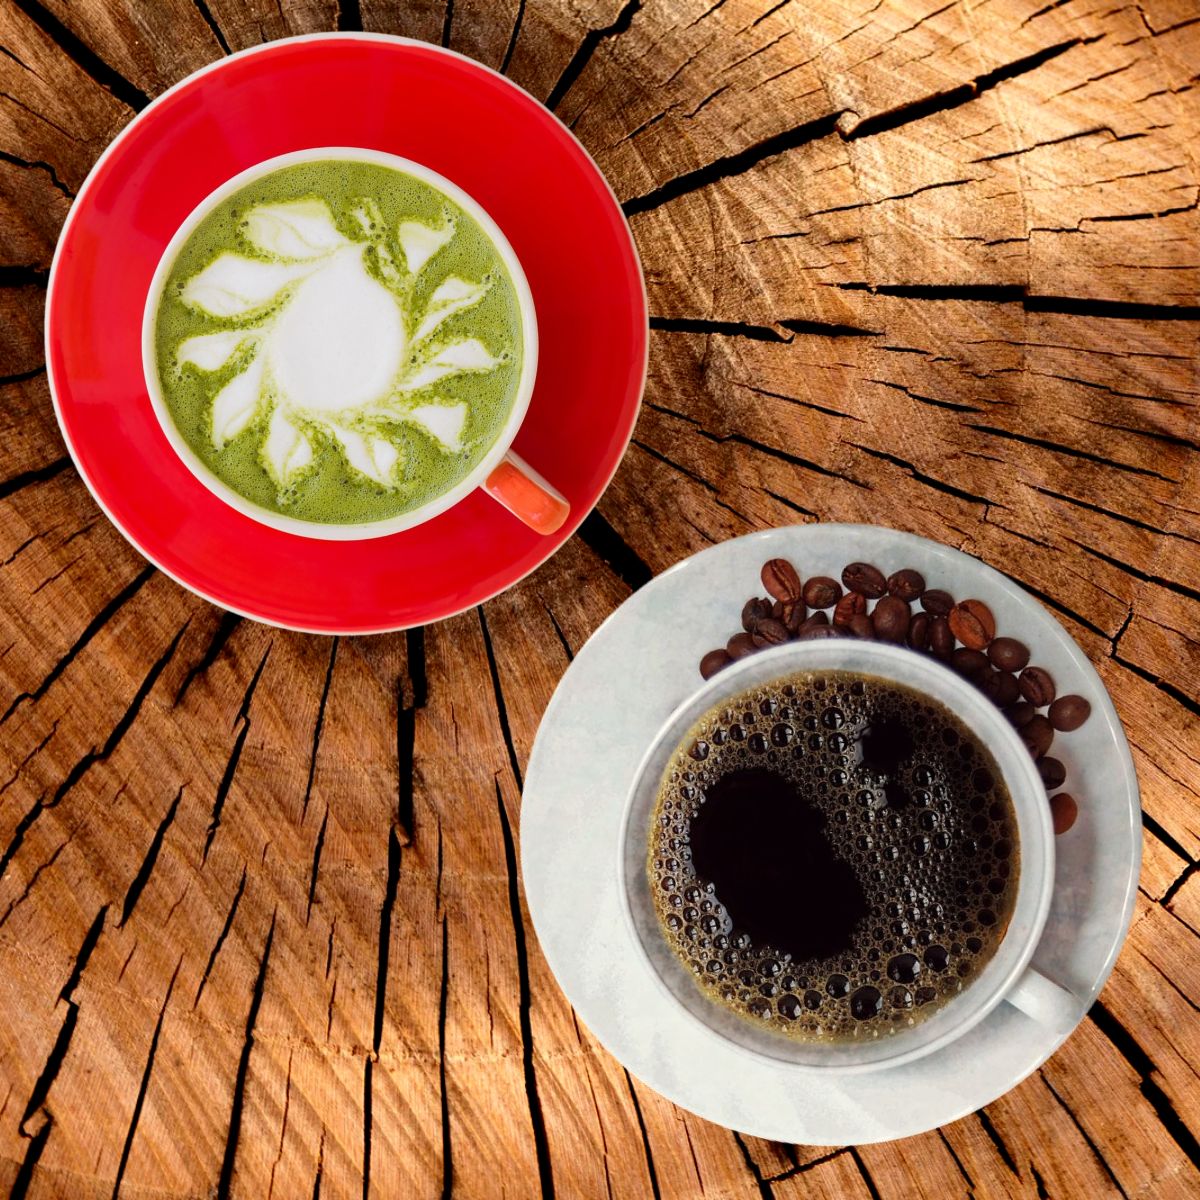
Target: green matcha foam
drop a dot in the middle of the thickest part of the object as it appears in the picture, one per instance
(338, 341)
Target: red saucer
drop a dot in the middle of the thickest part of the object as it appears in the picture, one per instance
(471, 125)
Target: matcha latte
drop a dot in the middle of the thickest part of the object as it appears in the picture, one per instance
(340, 341)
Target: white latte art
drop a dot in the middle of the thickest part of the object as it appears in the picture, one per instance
(323, 348)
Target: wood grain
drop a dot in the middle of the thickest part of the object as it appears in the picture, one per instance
(261, 924)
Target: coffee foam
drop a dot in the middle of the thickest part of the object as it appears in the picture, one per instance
(938, 870)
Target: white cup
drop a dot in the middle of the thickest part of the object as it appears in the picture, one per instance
(1006, 978)
(502, 473)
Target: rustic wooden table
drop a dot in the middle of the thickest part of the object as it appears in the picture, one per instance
(933, 264)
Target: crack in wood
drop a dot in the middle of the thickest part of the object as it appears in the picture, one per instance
(558, 633)
(228, 1160)
(212, 958)
(764, 1188)
(587, 48)
(349, 17)
(316, 866)
(17, 901)
(58, 1052)
(138, 1104)
(827, 328)
(994, 1135)
(317, 728)
(144, 871)
(93, 756)
(807, 512)
(1116, 516)
(947, 404)
(224, 631)
(444, 1095)
(610, 547)
(381, 980)
(866, 1175)
(730, 165)
(637, 1111)
(83, 56)
(1170, 585)
(799, 1168)
(757, 333)
(512, 38)
(24, 1177)
(711, 488)
(928, 480)
(524, 1005)
(1071, 451)
(92, 628)
(962, 94)
(1087, 1137)
(38, 165)
(1143, 1064)
(231, 765)
(203, 9)
(37, 475)
(501, 706)
(957, 1162)
(287, 1104)
(447, 18)
(406, 728)
(21, 275)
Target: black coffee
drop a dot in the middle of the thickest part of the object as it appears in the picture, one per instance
(834, 855)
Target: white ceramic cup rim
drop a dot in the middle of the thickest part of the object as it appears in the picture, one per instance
(999, 977)
(367, 529)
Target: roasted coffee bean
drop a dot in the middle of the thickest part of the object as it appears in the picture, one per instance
(740, 645)
(1020, 714)
(850, 605)
(1037, 733)
(816, 632)
(918, 631)
(941, 640)
(987, 681)
(772, 632)
(1037, 686)
(713, 661)
(1069, 712)
(753, 611)
(780, 579)
(864, 579)
(970, 663)
(818, 620)
(890, 619)
(1063, 811)
(777, 610)
(936, 602)
(1053, 773)
(793, 616)
(1008, 654)
(822, 592)
(860, 627)
(906, 584)
(971, 621)
(1007, 690)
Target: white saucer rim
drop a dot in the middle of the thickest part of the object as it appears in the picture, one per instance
(1119, 744)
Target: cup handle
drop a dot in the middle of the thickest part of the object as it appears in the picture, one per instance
(527, 495)
(1045, 1001)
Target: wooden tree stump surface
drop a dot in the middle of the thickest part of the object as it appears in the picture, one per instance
(932, 264)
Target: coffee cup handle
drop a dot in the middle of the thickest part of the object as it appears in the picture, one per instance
(1045, 1001)
(527, 495)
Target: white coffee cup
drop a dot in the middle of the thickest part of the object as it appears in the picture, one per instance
(501, 472)
(1006, 978)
